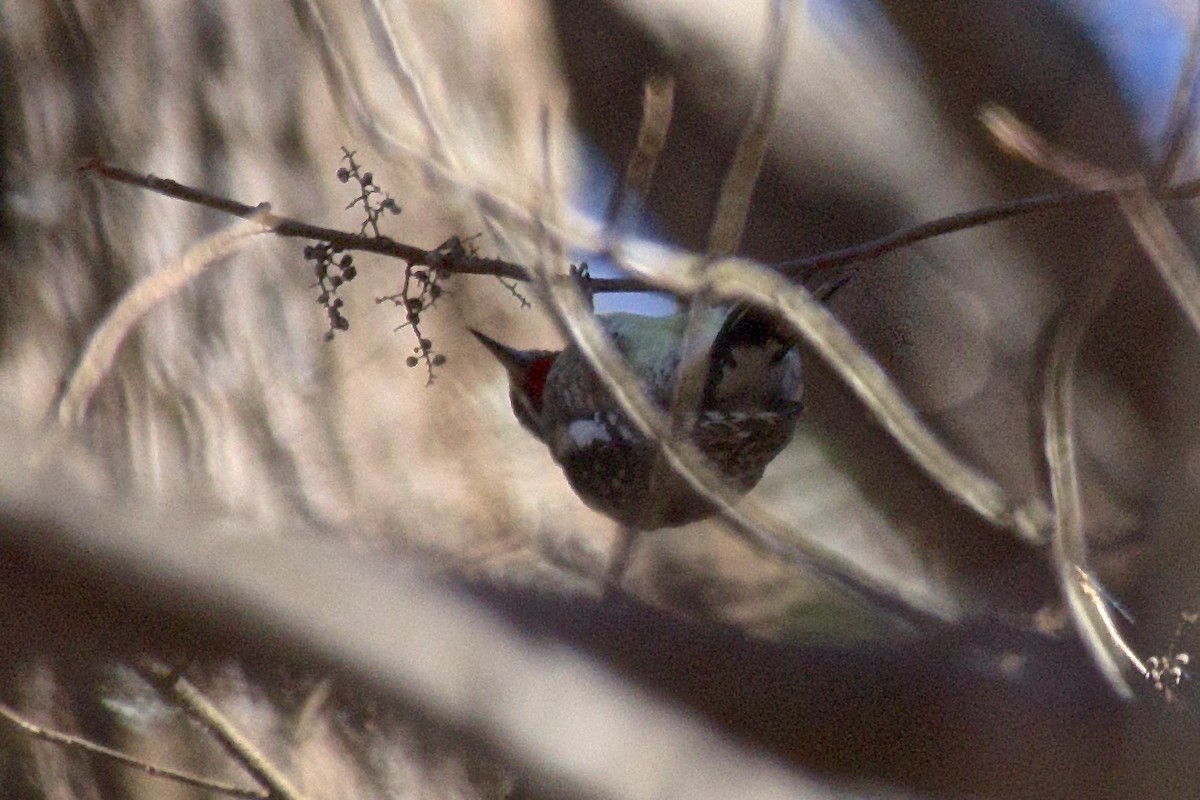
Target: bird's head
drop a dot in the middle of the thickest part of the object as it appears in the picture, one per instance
(527, 372)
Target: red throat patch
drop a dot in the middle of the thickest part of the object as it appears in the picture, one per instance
(535, 378)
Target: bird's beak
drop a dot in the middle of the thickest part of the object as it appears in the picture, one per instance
(514, 361)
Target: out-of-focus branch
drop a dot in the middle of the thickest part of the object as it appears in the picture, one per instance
(95, 581)
(1180, 128)
(733, 203)
(725, 234)
(1087, 606)
(104, 342)
(1162, 244)
(658, 104)
(1068, 551)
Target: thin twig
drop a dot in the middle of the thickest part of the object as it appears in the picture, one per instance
(78, 743)
(187, 696)
(345, 82)
(404, 75)
(965, 220)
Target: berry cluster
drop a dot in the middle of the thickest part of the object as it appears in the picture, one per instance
(331, 272)
(421, 287)
(1169, 672)
(418, 294)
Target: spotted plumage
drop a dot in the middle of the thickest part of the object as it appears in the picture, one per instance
(750, 405)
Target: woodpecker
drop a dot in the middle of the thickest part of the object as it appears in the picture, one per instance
(749, 408)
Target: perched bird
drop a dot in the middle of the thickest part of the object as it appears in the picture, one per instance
(750, 404)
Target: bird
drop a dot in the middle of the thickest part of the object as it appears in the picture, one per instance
(749, 408)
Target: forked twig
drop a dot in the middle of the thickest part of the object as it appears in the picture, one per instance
(187, 696)
(67, 740)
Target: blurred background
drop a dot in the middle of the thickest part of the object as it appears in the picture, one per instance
(234, 475)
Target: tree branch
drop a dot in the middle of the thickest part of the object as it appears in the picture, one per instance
(467, 264)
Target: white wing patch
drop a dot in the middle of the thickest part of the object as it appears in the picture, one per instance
(585, 432)
(601, 429)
